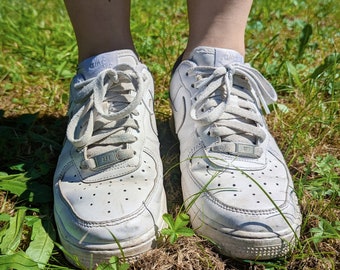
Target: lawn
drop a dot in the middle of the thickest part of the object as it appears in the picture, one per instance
(293, 43)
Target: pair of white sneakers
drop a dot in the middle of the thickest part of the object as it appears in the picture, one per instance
(108, 187)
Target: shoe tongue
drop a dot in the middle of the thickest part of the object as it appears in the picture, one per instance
(208, 56)
(90, 67)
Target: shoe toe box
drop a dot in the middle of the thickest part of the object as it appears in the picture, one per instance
(127, 207)
(243, 200)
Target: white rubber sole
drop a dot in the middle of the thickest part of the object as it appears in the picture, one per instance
(250, 246)
(90, 256)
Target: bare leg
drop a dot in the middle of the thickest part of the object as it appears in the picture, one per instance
(100, 26)
(217, 23)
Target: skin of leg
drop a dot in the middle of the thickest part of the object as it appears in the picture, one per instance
(100, 26)
(217, 23)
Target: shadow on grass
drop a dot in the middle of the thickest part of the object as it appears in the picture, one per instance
(30, 145)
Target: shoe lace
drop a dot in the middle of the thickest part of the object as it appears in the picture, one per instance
(229, 107)
(105, 107)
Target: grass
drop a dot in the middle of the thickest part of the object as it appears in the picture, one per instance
(293, 43)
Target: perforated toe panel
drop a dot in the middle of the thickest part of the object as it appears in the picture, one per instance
(239, 189)
(114, 198)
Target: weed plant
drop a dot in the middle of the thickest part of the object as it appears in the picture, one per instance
(293, 43)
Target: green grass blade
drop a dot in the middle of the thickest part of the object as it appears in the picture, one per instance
(14, 183)
(18, 261)
(20, 184)
(41, 245)
(12, 236)
(330, 61)
(305, 36)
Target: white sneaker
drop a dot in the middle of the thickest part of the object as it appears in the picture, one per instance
(108, 183)
(247, 205)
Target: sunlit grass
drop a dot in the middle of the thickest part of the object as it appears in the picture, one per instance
(293, 43)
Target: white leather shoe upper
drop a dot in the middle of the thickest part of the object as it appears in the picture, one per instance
(109, 174)
(227, 151)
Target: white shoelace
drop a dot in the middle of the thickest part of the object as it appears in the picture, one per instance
(106, 105)
(231, 112)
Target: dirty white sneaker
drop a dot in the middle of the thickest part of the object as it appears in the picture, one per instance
(108, 183)
(246, 205)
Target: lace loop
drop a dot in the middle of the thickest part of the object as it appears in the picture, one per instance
(231, 110)
(261, 88)
(104, 109)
